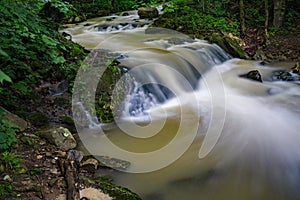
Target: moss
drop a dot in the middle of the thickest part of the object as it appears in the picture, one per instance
(67, 120)
(105, 184)
(234, 47)
(107, 83)
(38, 119)
(115, 191)
(230, 45)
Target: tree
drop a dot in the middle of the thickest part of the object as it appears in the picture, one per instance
(279, 11)
(242, 16)
(266, 19)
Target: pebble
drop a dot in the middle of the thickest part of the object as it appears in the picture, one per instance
(7, 178)
(54, 171)
(48, 154)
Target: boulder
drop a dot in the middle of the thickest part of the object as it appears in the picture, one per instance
(61, 137)
(15, 120)
(229, 43)
(147, 12)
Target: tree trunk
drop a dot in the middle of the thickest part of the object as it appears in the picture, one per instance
(279, 10)
(242, 16)
(266, 19)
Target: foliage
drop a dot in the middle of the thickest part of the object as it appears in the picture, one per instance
(143, 3)
(201, 17)
(292, 13)
(103, 104)
(117, 192)
(64, 7)
(4, 77)
(6, 189)
(255, 13)
(7, 133)
(32, 50)
(90, 8)
(10, 160)
(196, 18)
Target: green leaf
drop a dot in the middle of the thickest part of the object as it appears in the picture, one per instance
(59, 59)
(21, 86)
(3, 53)
(4, 77)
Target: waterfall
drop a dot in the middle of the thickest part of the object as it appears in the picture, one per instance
(192, 125)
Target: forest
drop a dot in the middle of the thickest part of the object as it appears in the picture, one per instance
(33, 52)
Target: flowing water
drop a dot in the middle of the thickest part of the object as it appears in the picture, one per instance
(191, 126)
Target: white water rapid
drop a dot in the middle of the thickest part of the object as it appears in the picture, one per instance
(191, 126)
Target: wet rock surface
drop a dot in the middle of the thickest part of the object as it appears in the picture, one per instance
(113, 162)
(147, 12)
(231, 44)
(282, 75)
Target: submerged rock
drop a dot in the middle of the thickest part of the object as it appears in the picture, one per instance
(147, 12)
(177, 40)
(61, 137)
(281, 75)
(125, 14)
(253, 75)
(113, 162)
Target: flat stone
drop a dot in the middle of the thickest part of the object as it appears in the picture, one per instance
(61, 197)
(113, 162)
(94, 194)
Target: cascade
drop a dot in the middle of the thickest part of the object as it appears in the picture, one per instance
(192, 125)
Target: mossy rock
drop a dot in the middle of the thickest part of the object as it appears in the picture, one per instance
(59, 136)
(230, 45)
(148, 12)
(105, 185)
(15, 120)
